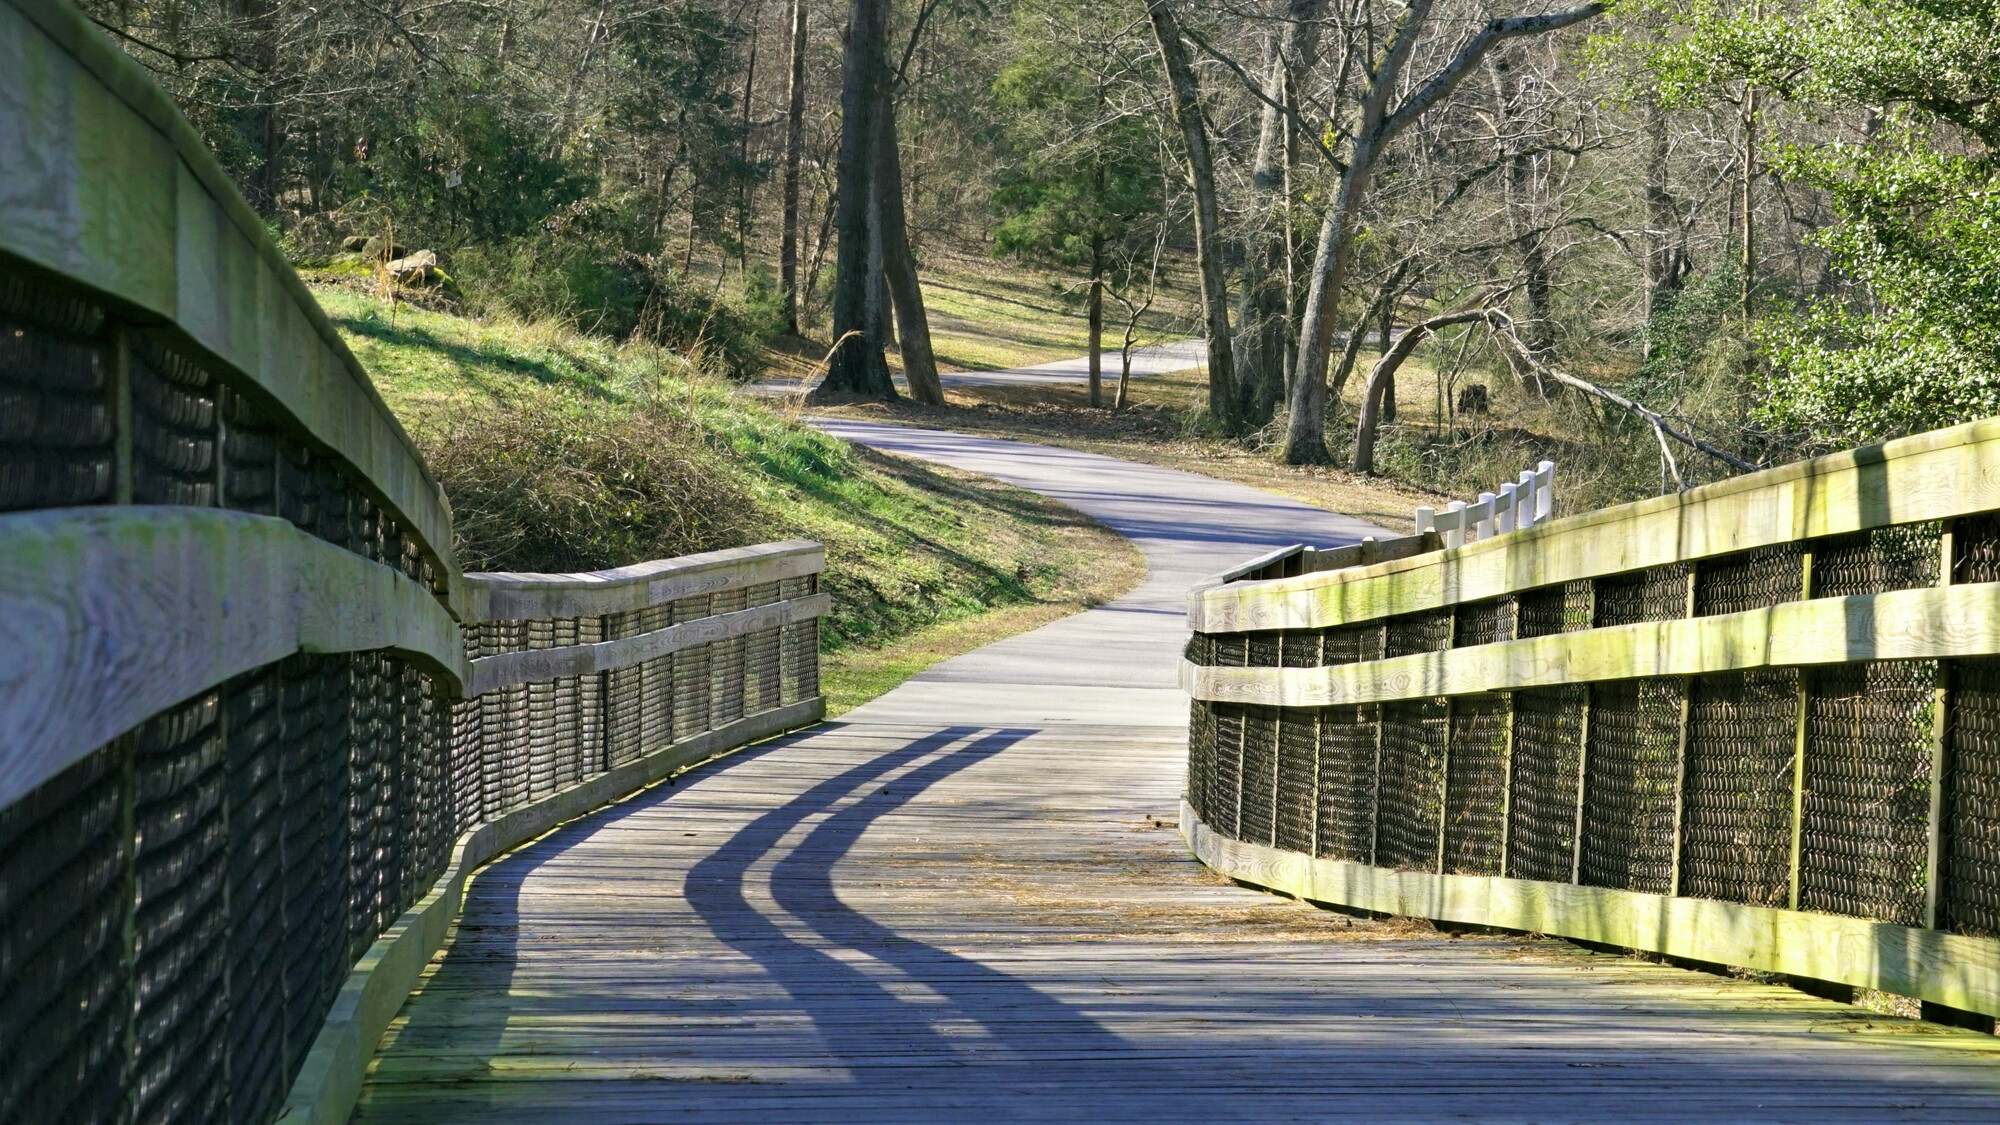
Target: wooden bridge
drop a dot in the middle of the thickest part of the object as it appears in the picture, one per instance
(299, 822)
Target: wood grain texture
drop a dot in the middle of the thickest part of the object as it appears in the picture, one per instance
(1921, 624)
(492, 672)
(109, 615)
(330, 1079)
(1930, 476)
(1962, 972)
(514, 596)
(104, 182)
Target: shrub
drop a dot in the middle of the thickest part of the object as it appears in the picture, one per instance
(560, 482)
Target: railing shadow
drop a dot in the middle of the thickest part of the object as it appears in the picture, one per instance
(877, 1000)
(861, 1019)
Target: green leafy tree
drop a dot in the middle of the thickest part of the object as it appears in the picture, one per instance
(1913, 342)
(1083, 174)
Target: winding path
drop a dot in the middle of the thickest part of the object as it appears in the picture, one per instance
(967, 900)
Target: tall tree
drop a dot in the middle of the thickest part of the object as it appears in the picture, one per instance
(1185, 96)
(795, 147)
(1379, 124)
(857, 365)
(1264, 314)
(1081, 169)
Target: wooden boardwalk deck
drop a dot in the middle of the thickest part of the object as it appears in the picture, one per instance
(968, 900)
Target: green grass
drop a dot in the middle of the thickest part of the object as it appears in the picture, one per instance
(567, 452)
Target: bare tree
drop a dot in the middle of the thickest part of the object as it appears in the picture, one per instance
(858, 366)
(1186, 100)
(1379, 124)
(795, 145)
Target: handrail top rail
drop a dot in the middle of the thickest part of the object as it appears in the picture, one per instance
(206, 299)
(1829, 495)
(520, 595)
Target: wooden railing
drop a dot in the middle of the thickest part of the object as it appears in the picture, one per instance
(1755, 724)
(256, 729)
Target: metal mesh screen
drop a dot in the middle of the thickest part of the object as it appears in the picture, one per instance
(1969, 899)
(1225, 770)
(726, 666)
(1876, 561)
(1554, 609)
(1263, 648)
(1736, 814)
(1298, 773)
(1259, 798)
(1302, 648)
(1413, 633)
(1548, 760)
(1476, 785)
(689, 684)
(57, 440)
(1632, 766)
(1201, 756)
(1346, 811)
(1749, 580)
(1975, 549)
(65, 905)
(1483, 623)
(1232, 650)
(173, 430)
(1656, 594)
(1865, 834)
(1353, 644)
(1410, 796)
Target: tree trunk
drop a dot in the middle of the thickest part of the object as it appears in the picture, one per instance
(1264, 311)
(1381, 387)
(1305, 437)
(1096, 307)
(1662, 221)
(899, 268)
(857, 365)
(1186, 98)
(795, 147)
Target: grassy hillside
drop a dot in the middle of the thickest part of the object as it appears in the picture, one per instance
(561, 451)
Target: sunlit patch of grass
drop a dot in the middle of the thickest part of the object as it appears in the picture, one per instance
(567, 452)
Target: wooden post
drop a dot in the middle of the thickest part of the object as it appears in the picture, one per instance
(1507, 785)
(1444, 789)
(1799, 755)
(1680, 786)
(1934, 865)
(1798, 793)
(1681, 750)
(1375, 795)
(121, 405)
(1582, 785)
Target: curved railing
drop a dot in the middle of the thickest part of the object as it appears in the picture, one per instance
(255, 727)
(1756, 724)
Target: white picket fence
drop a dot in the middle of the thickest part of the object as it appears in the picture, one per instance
(1518, 505)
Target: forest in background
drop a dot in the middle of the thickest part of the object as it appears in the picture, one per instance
(1659, 241)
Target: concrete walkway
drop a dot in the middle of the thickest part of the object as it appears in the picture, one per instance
(967, 901)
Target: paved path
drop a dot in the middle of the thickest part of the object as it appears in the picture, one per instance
(966, 901)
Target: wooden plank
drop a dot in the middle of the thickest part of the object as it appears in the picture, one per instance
(1962, 972)
(1922, 624)
(330, 1079)
(110, 615)
(1929, 476)
(511, 596)
(113, 189)
(490, 673)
